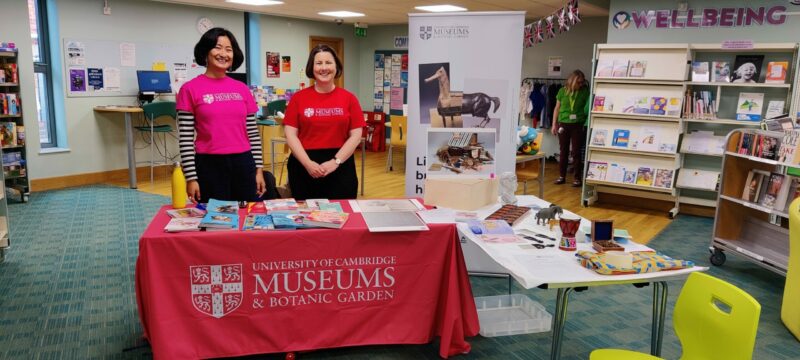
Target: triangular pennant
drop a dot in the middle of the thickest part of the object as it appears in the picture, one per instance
(538, 32)
(563, 26)
(549, 31)
(528, 39)
(575, 15)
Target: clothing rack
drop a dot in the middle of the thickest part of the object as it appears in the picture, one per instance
(547, 81)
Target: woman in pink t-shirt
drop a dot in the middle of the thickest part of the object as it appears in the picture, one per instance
(323, 127)
(217, 132)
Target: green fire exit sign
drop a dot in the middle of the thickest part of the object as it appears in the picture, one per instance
(361, 32)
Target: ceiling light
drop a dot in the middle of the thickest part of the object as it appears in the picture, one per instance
(255, 2)
(440, 8)
(341, 14)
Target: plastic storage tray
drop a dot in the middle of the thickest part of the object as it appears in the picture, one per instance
(514, 314)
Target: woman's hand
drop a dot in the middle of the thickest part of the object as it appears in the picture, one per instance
(261, 185)
(315, 170)
(193, 191)
(329, 167)
(554, 129)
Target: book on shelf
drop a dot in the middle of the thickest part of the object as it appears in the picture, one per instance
(663, 178)
(792, 193)
(619, 68)
(699, 105)
(641, 105)
(257, 221)
(722, 71)
(674, 107)
(700, 72)
(747, 68)
(753, 184)
(20, 135)
(188, 212)
(644, 176)
(11, 74)
(599, 102)
(749, 106)
(698, 179)
(658, 105)
(788, 152)
(221, 214)
(774, 109)
(605, 68)
(637, 68)
(597, 170)
(774, 190)
(759, 145)
(782, 123)
(776, 72)
(599, 137)
(8, 134)
(616, 173)
(326, 219)
(630, 177)
(647, 139)
(621, 138)
(182, 224)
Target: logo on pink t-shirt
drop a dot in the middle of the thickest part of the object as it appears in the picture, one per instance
(208, 98)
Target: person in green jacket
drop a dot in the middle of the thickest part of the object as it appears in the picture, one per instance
(571, 125)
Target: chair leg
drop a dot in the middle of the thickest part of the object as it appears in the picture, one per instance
(389, 159)
(525, 187)
(152, 153)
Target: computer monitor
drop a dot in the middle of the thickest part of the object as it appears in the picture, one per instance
(238, 76)
(153, 82)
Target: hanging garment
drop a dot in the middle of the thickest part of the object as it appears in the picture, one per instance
(537, 100)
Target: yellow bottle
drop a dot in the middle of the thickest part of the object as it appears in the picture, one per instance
(178, 188)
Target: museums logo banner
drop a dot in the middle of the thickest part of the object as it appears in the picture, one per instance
(696, 18)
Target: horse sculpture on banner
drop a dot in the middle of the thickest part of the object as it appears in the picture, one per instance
(477, 104)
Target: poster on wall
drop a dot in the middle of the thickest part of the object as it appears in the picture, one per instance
(457, 82)
(554, 66)
(77, 79)
(286, 64)
(273, 65)
(95, 78)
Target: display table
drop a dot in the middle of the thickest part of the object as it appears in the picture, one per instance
(551, 268)
(128, 111)
(234, 293)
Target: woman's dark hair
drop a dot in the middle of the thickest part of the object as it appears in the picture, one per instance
(318, 49)
(209, 41)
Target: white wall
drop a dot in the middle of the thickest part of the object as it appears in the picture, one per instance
(575, 47)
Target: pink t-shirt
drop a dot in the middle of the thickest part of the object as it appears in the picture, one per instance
(220, 108)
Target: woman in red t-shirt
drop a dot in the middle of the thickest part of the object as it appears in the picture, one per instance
(323, 127)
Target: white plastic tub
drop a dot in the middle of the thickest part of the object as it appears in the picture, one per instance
(514, 314)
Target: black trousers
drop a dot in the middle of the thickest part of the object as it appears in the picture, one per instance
(341, 184)
(226, 177)
(575, 135)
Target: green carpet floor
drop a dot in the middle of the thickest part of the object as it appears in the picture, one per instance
(66, 290)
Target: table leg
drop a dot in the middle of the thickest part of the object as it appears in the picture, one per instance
(660, 291)
(363, 159)
(541, 179)
(559, 321)
(131, 153)
(272, 157)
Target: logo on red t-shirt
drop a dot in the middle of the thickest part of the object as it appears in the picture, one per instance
(308, 112)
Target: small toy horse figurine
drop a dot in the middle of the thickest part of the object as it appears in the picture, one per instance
(477, 104)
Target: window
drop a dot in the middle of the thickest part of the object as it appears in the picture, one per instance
(37, 15)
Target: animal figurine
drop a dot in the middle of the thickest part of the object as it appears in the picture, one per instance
(526, 140)
(548, 213)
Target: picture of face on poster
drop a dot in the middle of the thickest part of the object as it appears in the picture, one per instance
(273, 65)
(747, 68)
(434, 92)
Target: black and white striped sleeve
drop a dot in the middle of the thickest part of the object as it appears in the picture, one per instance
(255, 140)
(186, 144)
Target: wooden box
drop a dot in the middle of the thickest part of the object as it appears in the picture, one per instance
(461, 194)
(606, 245)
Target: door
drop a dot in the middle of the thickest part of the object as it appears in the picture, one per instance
(337, 44)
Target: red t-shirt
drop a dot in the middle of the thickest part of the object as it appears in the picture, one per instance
(323, 121)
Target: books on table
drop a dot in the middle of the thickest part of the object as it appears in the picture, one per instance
(221, 215)
(188, 212)
(258, 222)
(749, 106)
(326, 219)
(182, 224)
(288, 204)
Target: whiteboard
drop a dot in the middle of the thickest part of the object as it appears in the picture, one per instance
(89, 63)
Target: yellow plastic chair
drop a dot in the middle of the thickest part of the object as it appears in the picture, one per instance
(713, 319)
(790, 310)
(398, 138)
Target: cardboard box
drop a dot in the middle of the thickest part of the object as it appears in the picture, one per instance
(461, 194)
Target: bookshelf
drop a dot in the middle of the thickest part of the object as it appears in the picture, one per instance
(726, 96)
(12, 130)
(635, 123)
(749, 227)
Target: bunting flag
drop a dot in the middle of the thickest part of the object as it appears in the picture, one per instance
(574, 13)
(549, 31)
(563, 25)
(537, 32)
(528, 40)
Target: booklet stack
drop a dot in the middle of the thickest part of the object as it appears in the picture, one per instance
(221, 215)
(187, 219)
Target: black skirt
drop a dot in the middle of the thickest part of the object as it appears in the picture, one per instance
(341, 184)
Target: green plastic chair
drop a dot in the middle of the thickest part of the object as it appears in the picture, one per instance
(274, 106)
(713, 319)
(152, 112)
